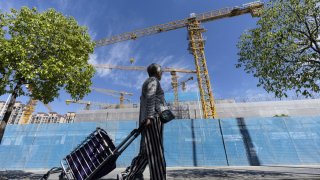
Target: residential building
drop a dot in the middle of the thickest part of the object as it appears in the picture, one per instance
(16, 114)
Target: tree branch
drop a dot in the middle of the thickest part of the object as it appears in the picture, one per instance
(284, 58)
(314, 61)
(311, 38)
(316, 21)
(302, 32)
(304, 49)
(295, 13)
(316, 49)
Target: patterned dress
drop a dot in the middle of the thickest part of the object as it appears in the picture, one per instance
(151, 145)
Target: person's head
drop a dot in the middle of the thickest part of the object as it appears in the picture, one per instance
(154, 70)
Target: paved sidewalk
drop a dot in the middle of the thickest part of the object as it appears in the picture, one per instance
(229, 172)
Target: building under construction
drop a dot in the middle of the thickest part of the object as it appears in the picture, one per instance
(226, 108)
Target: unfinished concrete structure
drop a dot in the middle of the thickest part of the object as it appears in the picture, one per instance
(225, 109)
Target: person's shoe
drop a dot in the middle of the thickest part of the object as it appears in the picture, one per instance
(139, 177)
(120, 176)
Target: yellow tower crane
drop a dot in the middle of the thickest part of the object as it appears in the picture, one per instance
(172, 71)
(89, 103)
(183, 83)
(119, 94)
(196, 43)
(29, 109)
(175, 88)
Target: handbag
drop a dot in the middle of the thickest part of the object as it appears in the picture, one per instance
(166, 116)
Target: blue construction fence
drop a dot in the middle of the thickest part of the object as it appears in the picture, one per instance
(187, 142)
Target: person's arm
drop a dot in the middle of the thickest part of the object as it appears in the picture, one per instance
(160, 102)
(151, 98)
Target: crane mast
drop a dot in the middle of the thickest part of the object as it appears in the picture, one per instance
(29, 109)
(175, 84)
(196, 47)
(196, 44)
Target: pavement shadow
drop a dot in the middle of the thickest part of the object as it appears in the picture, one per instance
(224, 173)
(18, 174)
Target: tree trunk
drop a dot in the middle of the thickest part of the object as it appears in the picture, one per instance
(6, 116)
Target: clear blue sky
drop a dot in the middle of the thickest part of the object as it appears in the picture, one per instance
(106, 18)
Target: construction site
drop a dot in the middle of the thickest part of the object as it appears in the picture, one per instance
(210, 138)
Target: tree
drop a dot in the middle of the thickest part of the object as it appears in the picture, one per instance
(284, 50)
(46, 51)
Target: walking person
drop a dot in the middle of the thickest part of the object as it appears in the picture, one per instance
(151, 144)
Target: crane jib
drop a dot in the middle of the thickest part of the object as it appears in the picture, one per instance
(202, 17)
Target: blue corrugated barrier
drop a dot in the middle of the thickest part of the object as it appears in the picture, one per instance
(187, 142)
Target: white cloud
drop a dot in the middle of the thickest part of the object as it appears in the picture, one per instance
(171, 61)
(192, 86)
(63, 4)
(166, 81)
(93, 59)
(100, 72)
(118, 54)
(139, 80)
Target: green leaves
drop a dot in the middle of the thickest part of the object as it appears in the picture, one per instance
(47, 50)
(283, 51)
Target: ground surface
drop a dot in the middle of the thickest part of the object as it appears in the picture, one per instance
(235, 172)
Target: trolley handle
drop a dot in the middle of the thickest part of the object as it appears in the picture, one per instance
(127, 141)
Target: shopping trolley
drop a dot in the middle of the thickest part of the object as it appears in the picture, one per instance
(95, 157)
